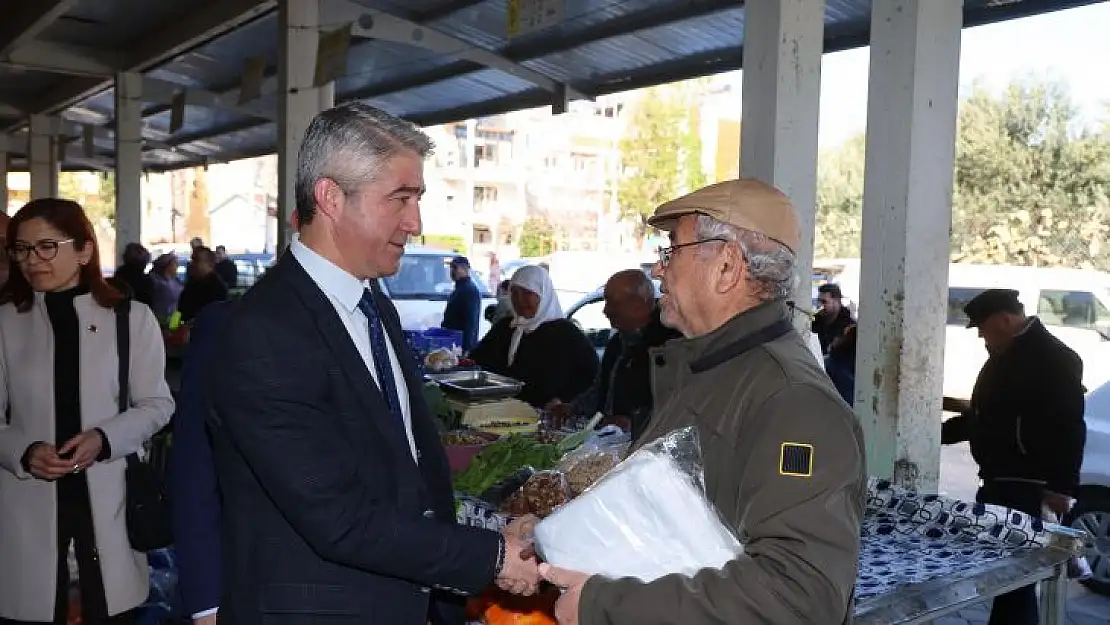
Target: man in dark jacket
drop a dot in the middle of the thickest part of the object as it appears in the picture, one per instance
(622, 390)
(131, 275)
(464, 306)
(1024, 422)
(833, 318)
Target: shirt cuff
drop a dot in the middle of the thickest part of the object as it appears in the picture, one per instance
(204, 613)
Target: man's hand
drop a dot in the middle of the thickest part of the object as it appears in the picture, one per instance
(558, 411)
(620, 421)
(570, 583)
(523, 528)
(519, 574)
(1058, 503)
(207, 619)
(44, 463)
(84, 447)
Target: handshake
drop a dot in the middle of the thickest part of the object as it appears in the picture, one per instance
(520, 571)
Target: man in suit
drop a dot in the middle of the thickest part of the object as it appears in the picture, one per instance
(195, 493)
(337, 496)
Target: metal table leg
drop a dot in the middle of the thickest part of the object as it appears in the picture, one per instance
(1054, 597)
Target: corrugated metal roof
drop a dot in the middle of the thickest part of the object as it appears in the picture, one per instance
(601, 46)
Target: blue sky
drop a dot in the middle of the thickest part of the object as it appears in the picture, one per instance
(1071, 46)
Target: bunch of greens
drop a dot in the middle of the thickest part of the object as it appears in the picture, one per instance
(502, 459)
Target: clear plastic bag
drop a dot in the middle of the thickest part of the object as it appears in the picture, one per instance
(545, 492)
(646, 518)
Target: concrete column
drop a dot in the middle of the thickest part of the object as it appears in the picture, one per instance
(43, 157)
(911, 131)
(4, 173)
(129, 160)
(781, 105)
(298, 100)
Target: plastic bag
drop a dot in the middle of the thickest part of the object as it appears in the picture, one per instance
(646, 518)
(545, 492)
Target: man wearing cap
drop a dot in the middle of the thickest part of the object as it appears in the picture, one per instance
(1024, 422)
(783, 454)
(464, 306)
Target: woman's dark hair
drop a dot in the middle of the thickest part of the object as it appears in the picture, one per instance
(69, 218)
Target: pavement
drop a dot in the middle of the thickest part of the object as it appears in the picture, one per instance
(958, 478)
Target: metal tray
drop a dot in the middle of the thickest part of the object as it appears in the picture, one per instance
(477, 384)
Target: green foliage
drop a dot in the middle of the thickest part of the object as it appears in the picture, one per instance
(537, 237)
(660, 152)
(99, 200)
(1030, 189)
(451, 242)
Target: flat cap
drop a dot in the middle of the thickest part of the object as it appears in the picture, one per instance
(991, 302)
(743, 203)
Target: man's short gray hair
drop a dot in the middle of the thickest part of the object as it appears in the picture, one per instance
(770, 263)
(348, 144)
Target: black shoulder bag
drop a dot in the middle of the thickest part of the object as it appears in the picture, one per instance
(149, 525)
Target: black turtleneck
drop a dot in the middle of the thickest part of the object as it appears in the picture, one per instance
(67, 362)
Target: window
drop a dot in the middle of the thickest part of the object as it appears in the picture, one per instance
(591, 319)
(482, 236)
(426, 276)
(1079, 309)
(485, 194)
(958, 297)
(485, 153)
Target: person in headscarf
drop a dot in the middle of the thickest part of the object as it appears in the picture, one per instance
(537, 344)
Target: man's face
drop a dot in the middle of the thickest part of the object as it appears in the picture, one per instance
(376, 221)
(681, 279)
(623, 307)
(997, 333)
(221, 254)
(829, 303)
(458, 271)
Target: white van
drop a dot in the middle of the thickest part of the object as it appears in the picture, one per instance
(1074, 304)
(421, 287)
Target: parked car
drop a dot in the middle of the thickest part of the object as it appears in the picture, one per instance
(421, 287)
(1092, 509)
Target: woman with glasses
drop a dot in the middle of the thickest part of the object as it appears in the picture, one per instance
(64, 444)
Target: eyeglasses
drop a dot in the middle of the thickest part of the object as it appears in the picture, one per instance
(46, 249)
(666, 253)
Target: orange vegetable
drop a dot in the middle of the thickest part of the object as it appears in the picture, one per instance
(496, 607)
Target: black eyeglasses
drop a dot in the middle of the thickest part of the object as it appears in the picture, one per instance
(46, 249)
(665, 253)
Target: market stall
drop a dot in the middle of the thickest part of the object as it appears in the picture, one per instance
(922, 556)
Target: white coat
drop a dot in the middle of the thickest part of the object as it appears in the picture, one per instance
(28, 506)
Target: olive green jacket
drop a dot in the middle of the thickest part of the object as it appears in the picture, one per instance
(784, 465)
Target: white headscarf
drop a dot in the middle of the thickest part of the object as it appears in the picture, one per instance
(537, 280)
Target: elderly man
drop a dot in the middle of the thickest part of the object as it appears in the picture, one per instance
(336, 491)
(784, 457)
(622, 390)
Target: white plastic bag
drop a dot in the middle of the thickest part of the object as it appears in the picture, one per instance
(646, 518)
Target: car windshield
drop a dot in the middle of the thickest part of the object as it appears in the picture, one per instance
(428, 277)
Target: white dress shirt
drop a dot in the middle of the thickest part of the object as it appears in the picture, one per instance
(345, 292)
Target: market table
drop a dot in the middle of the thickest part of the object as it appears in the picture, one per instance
(926, 556)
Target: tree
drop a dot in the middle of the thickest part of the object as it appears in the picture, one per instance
(1030, 188)
(96, 193)
(660, 153)
(537, 237)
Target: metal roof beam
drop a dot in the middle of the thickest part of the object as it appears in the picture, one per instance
(60, 58)
(201, 24)
(26, 24)
(377, 24)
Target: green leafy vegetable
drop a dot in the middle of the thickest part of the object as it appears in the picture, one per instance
(501, 459)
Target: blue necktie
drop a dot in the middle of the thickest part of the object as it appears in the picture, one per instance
(386, 381)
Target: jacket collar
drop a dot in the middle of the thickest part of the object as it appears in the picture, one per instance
(332, 280)
(712, 349)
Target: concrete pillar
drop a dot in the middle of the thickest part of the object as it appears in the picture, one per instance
(4, 173)
(129, 160)
(781, 105)
(298, 100)
(43, 157)
(911, 131)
